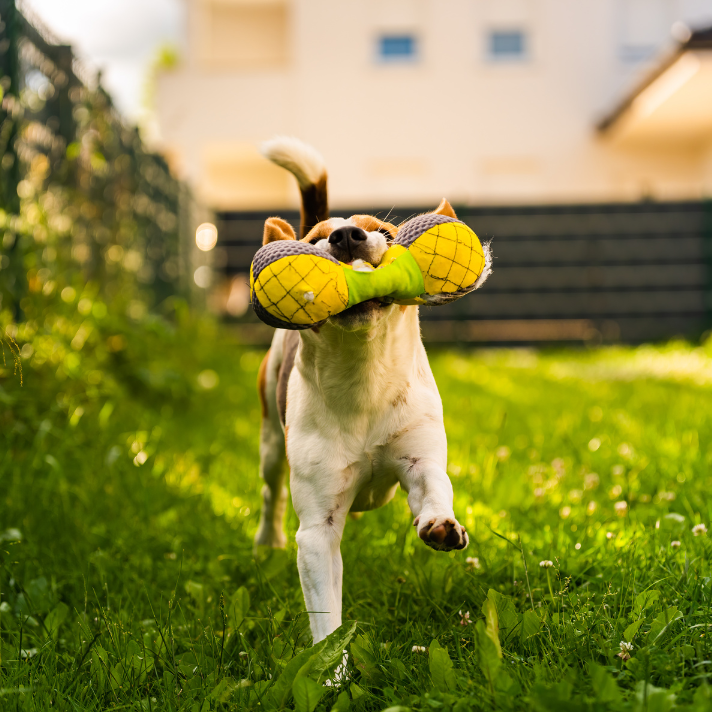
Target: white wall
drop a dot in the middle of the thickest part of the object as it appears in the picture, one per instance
(453, 123)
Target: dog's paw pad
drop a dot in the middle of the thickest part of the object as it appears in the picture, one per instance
(443, 535)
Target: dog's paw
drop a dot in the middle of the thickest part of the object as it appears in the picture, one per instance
(442, 533)
(340, 676)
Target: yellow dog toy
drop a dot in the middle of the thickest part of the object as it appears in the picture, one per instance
(435, 259)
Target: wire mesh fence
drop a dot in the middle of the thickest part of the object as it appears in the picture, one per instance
(82, 200)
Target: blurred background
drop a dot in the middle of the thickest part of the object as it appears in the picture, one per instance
(578, 136)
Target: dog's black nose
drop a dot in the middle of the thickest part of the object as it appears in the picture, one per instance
(347, 236)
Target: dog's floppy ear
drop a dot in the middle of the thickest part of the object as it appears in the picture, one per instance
(445, 209)
(277, 229)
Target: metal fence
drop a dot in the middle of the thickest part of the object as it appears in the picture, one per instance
(628, 272)
(64, 146)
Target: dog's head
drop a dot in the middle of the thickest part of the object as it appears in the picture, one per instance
(353, 241)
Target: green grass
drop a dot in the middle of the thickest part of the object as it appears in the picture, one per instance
(129, 498)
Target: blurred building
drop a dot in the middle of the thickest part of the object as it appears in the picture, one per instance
(482, 101)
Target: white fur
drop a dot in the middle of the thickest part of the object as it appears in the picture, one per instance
(299, 158)
(363, 417)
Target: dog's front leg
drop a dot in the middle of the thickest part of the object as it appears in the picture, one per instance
(322, 516)
(320, 572)
(430, 498)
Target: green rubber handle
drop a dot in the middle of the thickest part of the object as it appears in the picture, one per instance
(401, 279)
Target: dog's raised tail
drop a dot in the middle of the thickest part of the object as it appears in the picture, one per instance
(306, 164)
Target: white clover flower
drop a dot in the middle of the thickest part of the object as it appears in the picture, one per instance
(546, 564)
(473, 562)
(610, 535)
(621, 508)
(418, 649)
(699, 529)
(675, 544)
(465, 618)
(626, 649)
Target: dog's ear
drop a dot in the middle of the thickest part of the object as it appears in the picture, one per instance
(445, 209)
(277, 229)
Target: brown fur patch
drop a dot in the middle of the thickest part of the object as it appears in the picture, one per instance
(403, 307)
(445, 209)
(371, 224)
(277, 229)
(402, 397)
(318, 232)
(315, 206)
(262, 384)
(289, 352)
(398, 435)
(322, 230)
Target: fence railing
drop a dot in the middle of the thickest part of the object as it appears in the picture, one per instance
(80, 194)
(598, 272)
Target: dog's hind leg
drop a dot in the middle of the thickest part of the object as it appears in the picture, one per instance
(272, 455)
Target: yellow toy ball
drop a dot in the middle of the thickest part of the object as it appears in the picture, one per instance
(447, 251)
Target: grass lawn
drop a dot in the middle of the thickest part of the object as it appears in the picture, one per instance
(129, 498)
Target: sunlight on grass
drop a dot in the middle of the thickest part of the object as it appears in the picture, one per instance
(131, 496)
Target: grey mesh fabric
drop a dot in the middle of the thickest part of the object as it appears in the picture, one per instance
(285, 248)
(410, 231)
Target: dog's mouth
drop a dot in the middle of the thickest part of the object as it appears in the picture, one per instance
(364, 308)
(363, 311)
(370, 306)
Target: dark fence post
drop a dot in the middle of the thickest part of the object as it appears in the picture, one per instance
(10, 81)
(10, 117)
(707, 253)
(67, 127)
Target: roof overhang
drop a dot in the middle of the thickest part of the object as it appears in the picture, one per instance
(673, 106)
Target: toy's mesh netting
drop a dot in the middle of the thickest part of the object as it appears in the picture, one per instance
(415, 227)
(299, 291)
(447, 251)
(285, 248)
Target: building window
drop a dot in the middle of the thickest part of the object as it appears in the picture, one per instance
(397, 48)
(507, 45)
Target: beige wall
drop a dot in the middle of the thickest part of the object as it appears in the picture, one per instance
(238, 35)
(453, 123)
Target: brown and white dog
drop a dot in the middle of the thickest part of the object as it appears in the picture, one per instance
(351, 404)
